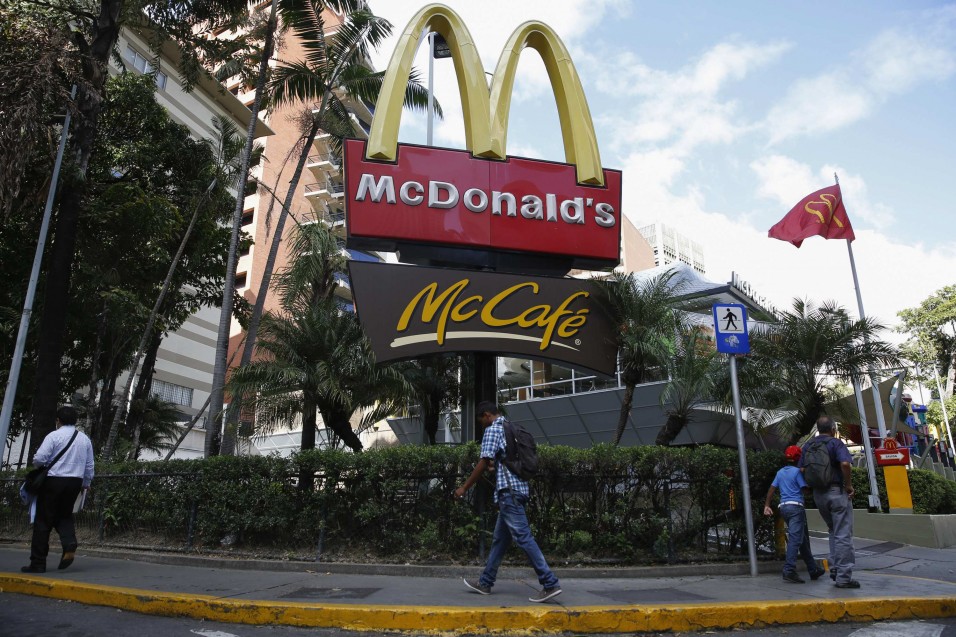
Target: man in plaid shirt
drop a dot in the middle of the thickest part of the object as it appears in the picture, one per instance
(511, 495)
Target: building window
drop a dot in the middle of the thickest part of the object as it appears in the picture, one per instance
(247, 216)
(172, 393)
(241, 281)
(141, 64)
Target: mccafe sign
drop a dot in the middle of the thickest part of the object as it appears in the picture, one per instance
(413, 311)
(482, 199)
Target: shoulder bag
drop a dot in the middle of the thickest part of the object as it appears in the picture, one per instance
(34, 479)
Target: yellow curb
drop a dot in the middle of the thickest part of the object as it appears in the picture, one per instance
(546, 618)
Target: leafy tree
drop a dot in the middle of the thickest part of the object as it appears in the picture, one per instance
(794, 361)
(92, 29)
(932, 335)
(315, 357)
(648, 317)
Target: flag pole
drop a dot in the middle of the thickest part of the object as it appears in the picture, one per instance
(874, 499)
(880, 420)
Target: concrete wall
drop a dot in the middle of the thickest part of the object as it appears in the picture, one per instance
(933, 531)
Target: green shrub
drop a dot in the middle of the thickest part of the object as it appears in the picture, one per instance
(607, 503)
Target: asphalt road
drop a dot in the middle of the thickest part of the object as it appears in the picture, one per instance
(28, 616)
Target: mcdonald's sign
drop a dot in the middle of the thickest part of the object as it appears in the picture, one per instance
(481, 200)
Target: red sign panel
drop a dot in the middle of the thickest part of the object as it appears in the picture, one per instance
(437, 196)
(892, 457)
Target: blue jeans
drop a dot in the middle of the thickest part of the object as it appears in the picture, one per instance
(836, 509)
(512, 525)
(798, 538)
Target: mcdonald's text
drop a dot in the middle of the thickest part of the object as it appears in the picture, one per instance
(448, 197)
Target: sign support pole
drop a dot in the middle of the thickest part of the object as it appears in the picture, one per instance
(868, 449)
(744, 472)
(731, 337)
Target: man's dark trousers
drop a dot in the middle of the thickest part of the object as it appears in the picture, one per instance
(54, 511)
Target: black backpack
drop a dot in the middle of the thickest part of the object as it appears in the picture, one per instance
(521, 452)
(817, 466)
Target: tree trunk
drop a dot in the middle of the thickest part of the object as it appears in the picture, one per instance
(625, 412)
(142, 390)
(252, 332)
(338, 421)
(430, 417)
(308, 425)
(214, 422)
(92, 410)
(670, 430)
(52, 332)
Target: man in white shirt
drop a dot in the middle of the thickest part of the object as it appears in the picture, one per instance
(70, 474)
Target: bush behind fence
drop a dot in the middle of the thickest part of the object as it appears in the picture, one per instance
(606, 504)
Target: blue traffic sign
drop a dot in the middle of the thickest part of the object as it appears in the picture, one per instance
(730, 328)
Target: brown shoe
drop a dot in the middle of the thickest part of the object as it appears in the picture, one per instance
(66, 560)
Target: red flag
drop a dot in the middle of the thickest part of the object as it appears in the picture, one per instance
(821, 213)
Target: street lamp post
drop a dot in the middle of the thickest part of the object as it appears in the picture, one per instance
(13, 379)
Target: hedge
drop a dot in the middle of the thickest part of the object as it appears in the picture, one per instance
(604, 504)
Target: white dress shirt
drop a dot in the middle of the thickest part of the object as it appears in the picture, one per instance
(77, 462)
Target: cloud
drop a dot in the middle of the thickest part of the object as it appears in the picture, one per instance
(892, 63)
(818, 105)
(683, 108)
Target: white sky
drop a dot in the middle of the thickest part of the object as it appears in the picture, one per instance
(722, 116)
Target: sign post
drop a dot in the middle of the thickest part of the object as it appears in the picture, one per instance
(894, 460)
(730, 330)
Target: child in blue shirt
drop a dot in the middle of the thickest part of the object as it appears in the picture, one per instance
(789, 481)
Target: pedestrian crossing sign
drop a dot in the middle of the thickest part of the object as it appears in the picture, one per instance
(730, 328)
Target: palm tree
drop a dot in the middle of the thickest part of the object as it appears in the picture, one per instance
(435, 386)
(315, 358)
(795, 359)
(333, 71)
(693, 371)
(157, 424)
(648, 316)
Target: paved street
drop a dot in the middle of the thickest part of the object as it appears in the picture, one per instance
(250, 597)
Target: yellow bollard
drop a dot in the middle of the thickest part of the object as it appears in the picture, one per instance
(780, 535)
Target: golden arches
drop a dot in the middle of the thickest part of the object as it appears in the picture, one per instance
(486, 113)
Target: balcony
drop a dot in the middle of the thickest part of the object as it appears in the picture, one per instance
(324, 192)
(322, 164)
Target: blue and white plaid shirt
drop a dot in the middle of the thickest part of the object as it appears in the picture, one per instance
(493, 445)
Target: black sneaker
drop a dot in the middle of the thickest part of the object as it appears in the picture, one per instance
(478, 587)
(32, 569)
(851, 584)
(545, 594)
(815, 575)
(793, 578)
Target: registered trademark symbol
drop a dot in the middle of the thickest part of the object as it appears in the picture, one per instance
(577, 341)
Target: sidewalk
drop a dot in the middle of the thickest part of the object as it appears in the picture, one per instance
(898, 582)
